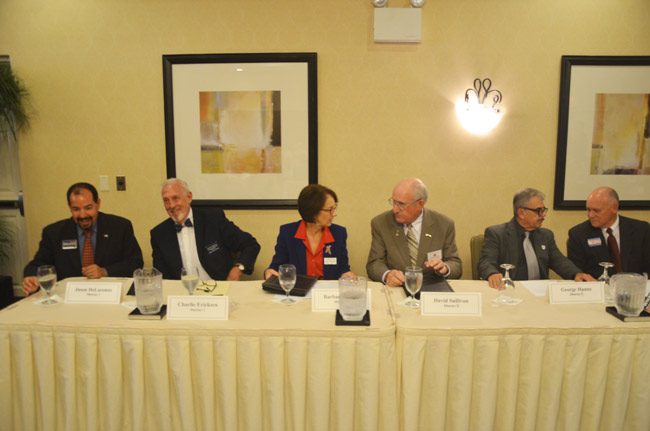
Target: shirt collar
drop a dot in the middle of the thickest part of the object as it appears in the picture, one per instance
(301, 233)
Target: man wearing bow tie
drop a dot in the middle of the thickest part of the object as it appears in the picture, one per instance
(199, 238)
(90, 243)
(524, 243)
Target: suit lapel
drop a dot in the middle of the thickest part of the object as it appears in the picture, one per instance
(70, 232)
(199, 227)
(512, 245)
(627, 237)
(400, 242)
(101, 240)
(426, 237)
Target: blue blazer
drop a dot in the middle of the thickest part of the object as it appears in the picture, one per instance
(289, 249)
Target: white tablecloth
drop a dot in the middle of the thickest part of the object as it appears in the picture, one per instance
(270, 367)
(534, 366)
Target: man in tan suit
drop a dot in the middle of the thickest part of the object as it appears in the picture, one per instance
(410, 234)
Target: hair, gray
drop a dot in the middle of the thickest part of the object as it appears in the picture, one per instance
(177, 181)
(419, 190)
(522, 197)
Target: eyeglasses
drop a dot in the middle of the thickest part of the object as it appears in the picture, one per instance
(540, 211)
(207, 287)
(330, 210)
(401, 205)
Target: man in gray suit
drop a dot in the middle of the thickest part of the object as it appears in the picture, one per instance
(524, 243)
(408, 235)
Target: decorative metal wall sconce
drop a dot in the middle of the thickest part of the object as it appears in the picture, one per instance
(479, 112)
(383, 3)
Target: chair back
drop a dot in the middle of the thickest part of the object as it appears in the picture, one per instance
(475, 245)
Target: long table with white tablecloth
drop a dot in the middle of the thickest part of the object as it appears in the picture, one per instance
(533, 366)
(269, 367)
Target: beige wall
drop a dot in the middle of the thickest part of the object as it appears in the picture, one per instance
(385, 111)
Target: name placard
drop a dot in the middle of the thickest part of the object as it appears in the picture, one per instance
(572, 292)
(327, 299)
(95, 292)
(197, 307)
(450, 304)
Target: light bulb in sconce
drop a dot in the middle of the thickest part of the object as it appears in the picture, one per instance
(479, 112)
(379, 3)
(417, 3)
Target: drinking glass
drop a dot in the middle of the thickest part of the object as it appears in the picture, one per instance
(608, 289)
(46, 276)
(190, 278)
(506, 284)
(413, 284)
(287, 279)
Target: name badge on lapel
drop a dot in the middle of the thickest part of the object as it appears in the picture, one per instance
(69, 244)
(594, 242)
(329, 260)
(211, 248)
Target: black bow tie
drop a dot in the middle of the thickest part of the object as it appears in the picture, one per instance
(187, 223)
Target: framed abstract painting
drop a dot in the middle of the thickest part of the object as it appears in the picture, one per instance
(603, 130)
(242, 129)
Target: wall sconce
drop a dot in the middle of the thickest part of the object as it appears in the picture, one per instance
(383, 3)
(475, 115)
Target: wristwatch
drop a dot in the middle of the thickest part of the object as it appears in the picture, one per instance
(240, 266)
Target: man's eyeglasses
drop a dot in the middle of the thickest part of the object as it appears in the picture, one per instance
(401, 205)
(207, 287)
(540, 211)
(330, 210)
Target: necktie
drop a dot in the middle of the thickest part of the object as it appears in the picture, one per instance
(187, 223)
(88, 255)
(531, 259)
(612, 244)
(413, 245)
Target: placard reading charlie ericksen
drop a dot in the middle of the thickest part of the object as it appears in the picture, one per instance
(197, 308)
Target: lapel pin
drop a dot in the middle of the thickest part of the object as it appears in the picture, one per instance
(543, 247)
(105, 235)
(427, 235)
(328, 249)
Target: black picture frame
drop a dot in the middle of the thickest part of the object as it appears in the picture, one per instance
(293, 75)
(582, 77)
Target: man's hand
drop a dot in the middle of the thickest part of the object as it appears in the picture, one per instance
(581, 276)
(437, 265)
(30, 285)
(269, 273)
(394, 278)
(93, 271)
(494, 280)
(234, 274)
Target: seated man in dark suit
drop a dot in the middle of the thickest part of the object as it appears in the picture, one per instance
(524, 243)
(199, 238)
(609, 237)
(90, 243)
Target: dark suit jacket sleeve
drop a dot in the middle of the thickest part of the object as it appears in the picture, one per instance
(159, 261)
(45, 255)
(577, 251)
(123, 254)
(376, 265)
(282, 254)
(450, 254)
(559, 262)
(488, 263)
(343, 262)
(240, 242)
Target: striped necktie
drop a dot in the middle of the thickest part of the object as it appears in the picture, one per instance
(413, 244)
